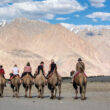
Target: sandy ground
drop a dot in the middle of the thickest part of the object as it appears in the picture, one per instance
(98, 98)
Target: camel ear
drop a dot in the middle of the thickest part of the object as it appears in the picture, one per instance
(72, 72)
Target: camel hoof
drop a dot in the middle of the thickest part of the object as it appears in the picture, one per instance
(59, 98)
(75, 97)
(25, 96)
(42, 97)
(51, 97)
(83, 98)
(54, 97)
(17, 96)
(38, 96)
(30, 96)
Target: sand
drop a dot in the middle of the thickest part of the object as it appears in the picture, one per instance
(98, 98)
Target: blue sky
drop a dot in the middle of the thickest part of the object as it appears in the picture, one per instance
(78, 12)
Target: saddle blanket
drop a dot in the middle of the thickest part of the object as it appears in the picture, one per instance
(78, 74)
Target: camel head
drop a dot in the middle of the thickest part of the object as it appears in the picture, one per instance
(72, 72)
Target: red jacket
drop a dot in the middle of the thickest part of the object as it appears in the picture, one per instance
(2, 71)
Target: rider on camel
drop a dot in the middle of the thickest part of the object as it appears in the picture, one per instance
(27, 69)
(80, 68)
(2, 72)
(40, 68)
(15, 72)
(52, 67)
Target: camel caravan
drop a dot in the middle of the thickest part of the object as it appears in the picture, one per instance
(53, 80)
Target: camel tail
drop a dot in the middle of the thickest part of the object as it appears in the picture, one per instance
(40, 88)
(40, 72)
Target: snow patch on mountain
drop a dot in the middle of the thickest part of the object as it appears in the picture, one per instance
(2, 23)
(77, 28)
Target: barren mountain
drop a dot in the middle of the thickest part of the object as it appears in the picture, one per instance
(100, 39)
(26, 40)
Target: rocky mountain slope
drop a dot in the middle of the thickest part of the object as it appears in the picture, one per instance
(26, 40)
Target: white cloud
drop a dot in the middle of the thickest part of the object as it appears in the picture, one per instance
(62, 18)
(13, 1)
(97, 3)
(95, 20)
(46, 9)
(77, 15)
(104, 16)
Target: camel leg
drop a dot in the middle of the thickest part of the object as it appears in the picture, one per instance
(38, 93)
(85, 88)
(55, 92)
(13, 92)
(52, 94)
(26, 92)
(42, 92)
(76, 90)
(30, 92)
(2, 88)
(83, 93)
(59, 87)
(17, 95)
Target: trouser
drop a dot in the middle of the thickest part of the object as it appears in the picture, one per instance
(25, 73)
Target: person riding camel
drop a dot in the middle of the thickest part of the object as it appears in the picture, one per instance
(15, 72)
(52, 67)
(2, 72)
(27, 69)
(40, 68)
(80, 68)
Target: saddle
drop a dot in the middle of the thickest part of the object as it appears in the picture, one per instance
(13, 76)
(50, 75)
(78, 74)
